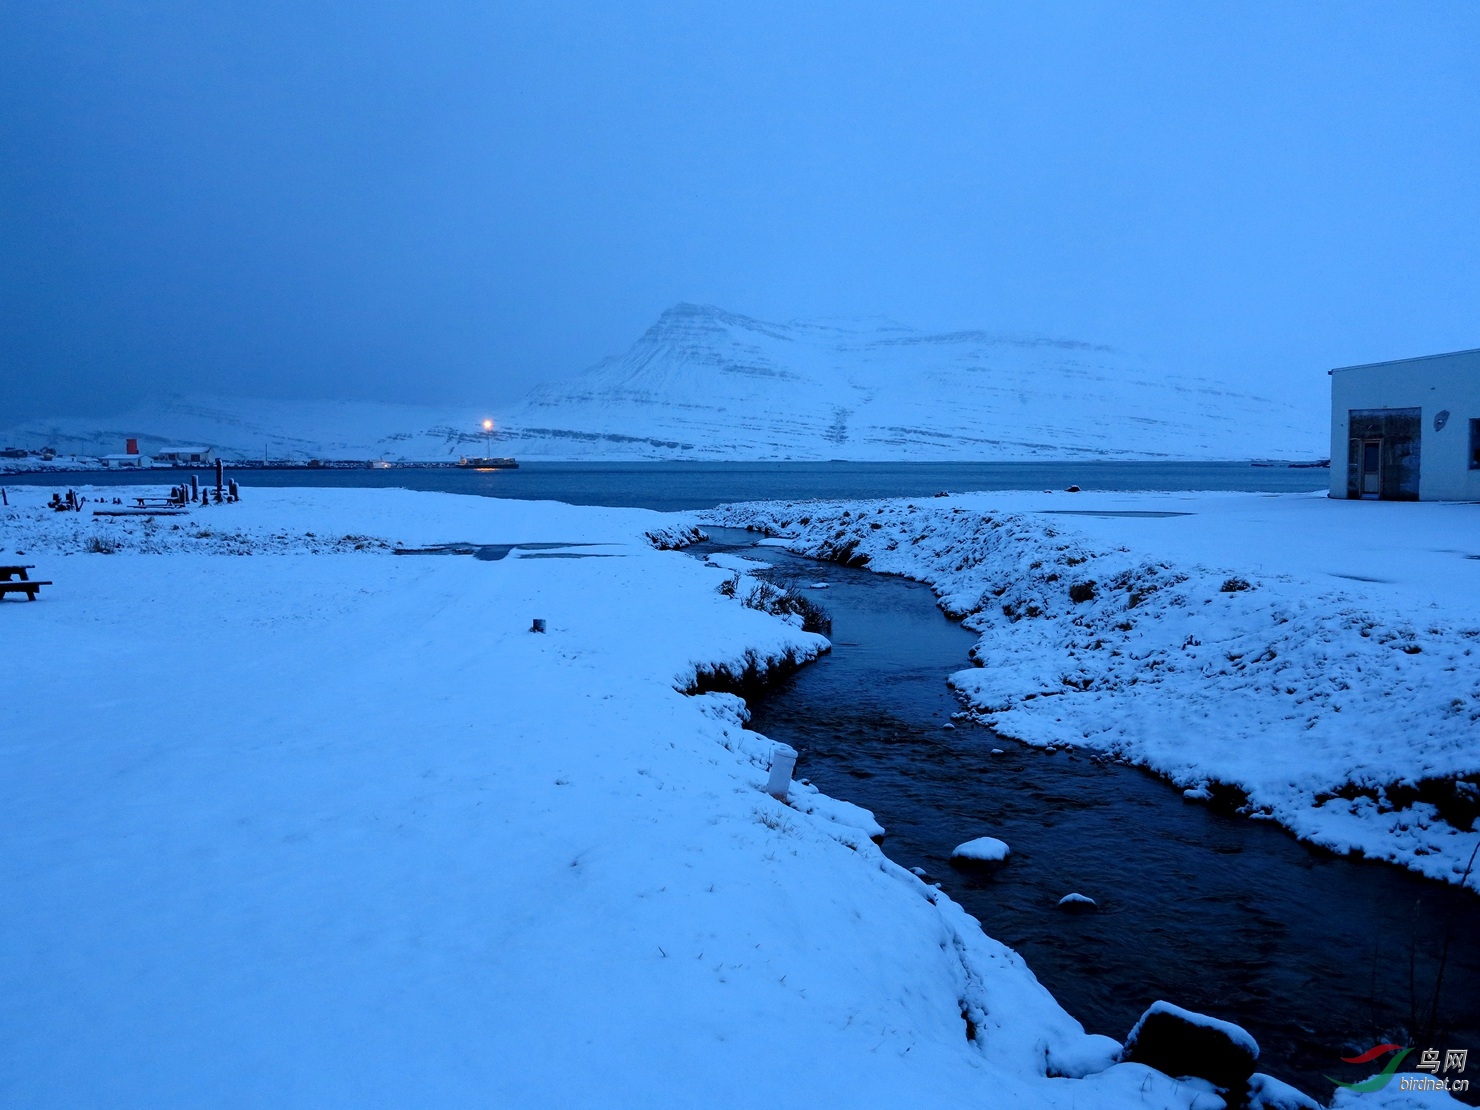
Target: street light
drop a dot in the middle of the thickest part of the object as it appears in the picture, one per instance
(488, 438)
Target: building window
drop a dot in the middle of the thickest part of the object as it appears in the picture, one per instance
(1475, 444)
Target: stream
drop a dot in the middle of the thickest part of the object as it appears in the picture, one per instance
(1318, 956)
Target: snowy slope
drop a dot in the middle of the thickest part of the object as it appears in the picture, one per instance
(249, 428)
(703, 383)
(290, 821)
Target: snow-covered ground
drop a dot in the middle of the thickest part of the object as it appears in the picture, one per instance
(34, 464)
(291, 820)
(1311, 661)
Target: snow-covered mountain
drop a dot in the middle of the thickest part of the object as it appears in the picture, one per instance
(703, 383)
(251, 428)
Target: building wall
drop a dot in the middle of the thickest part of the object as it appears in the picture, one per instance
(197, 456)
(1434, 385)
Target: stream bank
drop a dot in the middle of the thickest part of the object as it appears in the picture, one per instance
(1319, 956)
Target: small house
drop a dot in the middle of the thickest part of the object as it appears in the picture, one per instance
(123, 462)
(1407, 430)
(185, 456)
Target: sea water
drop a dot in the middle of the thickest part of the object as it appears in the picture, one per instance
(683, 485)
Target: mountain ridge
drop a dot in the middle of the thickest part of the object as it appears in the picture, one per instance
(702, 382)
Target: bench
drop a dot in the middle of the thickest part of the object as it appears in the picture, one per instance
(15, 580)
(140, 512)
(29, 587)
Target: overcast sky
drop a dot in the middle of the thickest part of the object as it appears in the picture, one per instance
(437, 200)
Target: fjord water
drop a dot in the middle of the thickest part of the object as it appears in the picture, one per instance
(1318, 956)
(703, 485)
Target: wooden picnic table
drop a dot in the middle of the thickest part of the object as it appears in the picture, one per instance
(15, 580)
(140, 512)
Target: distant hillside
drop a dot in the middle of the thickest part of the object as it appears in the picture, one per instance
(703, 383)
(249, 428)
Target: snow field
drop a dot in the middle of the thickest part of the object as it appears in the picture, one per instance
(1308, 661)
(294, 821)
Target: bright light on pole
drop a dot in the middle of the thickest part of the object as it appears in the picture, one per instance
(488, 437)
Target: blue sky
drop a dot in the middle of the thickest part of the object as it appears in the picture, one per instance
(452, 201)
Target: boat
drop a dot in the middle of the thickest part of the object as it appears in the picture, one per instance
(479, 462)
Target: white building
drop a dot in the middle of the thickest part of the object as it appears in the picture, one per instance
(184, 456)
(125, 462)
(1407, 430)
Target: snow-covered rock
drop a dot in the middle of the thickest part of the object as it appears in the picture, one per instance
(1077, 903)
(1269, 1093)
(984, 849)
(1183, 1042)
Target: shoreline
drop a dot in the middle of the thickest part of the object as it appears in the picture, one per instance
(1218, 691)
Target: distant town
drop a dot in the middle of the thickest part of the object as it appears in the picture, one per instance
(15, 460)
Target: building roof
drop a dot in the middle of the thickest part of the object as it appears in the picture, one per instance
(1395, 361)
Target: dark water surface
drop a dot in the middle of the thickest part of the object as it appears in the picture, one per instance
(674, 486)
(1318, 956)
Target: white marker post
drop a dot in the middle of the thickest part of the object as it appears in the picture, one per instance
(783, 760)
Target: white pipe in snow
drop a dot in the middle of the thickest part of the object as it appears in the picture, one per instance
(783, 759)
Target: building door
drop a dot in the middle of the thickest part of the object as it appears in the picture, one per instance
(1371, 480)
(1384, 454)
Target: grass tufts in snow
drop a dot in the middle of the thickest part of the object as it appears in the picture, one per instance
(778, 601)
(675, 538)
(746, 676)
